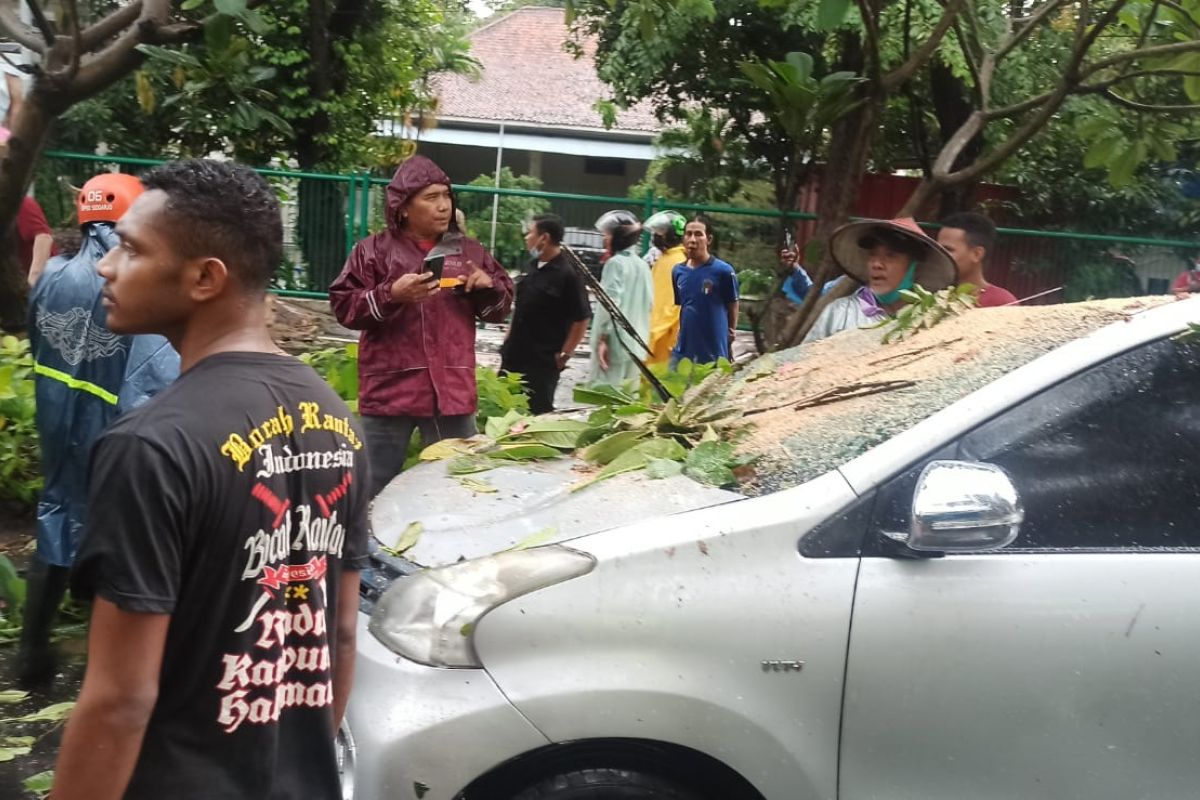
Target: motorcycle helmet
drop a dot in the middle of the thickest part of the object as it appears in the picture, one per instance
(106, 197)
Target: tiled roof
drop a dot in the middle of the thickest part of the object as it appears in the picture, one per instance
(528, 77)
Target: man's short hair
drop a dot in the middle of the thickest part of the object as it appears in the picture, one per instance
(980, 231)
(551, 225)
(222, 210)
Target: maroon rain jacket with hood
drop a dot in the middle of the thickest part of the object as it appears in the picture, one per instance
(415, 359)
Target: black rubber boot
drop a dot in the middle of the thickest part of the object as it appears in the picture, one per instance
(45, 586)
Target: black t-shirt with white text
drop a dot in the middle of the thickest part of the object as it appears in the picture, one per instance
(233, 501)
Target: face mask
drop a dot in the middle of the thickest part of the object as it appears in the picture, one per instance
(906, 284)
(536, 250)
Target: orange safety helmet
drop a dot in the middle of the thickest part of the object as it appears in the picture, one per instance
(106, 197)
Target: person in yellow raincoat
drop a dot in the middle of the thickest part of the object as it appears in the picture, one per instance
(667, 230)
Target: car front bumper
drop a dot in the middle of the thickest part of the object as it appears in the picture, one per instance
(423, 732)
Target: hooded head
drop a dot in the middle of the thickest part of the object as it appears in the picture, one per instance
(412, 177)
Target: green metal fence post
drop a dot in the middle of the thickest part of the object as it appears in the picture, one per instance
(364, 214)
(351, 211)
(647, 212)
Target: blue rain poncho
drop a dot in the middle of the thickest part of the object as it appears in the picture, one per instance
(85, 376)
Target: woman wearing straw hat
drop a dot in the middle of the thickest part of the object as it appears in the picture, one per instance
(886, 257)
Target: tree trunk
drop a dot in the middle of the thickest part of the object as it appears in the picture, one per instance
(16, 171)
(953, 106)
(840, 182)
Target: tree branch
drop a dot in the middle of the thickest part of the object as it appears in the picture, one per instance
(1117, 59)
(1147, 25)
(121, 57)
(104, 29)
(903, 73)
(19, 32)
(869, 20)
(1086, 88)
(39, 19)
(1101, 25)
(972, 65)
(1031, 22)
(1112, 96)
(71, 13)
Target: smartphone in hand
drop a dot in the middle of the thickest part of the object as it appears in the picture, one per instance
(435, 265)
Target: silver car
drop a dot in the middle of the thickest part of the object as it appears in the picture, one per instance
(998, 601)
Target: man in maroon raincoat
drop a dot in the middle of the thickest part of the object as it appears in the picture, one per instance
(416, 357)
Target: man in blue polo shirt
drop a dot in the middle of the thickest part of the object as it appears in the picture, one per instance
(706, 291)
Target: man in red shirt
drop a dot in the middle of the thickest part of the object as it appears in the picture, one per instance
(35, 244)
(970, 239)
(1188, 281)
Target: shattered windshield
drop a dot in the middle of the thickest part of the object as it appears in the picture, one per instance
(810, 409)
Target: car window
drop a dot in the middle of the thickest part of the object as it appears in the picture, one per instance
(1103, 460)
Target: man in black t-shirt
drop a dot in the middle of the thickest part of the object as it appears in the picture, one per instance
(550, 317)
(226, 524)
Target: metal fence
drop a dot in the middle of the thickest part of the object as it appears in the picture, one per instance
(324, 215)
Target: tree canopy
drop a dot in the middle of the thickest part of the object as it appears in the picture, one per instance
(967, 85)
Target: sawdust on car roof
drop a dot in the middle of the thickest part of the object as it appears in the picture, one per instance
(811, 408)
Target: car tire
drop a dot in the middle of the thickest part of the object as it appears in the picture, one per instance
(606, 784)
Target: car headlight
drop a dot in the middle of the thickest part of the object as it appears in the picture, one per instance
(430, 617)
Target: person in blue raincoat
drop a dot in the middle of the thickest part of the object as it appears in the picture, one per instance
(85, 376)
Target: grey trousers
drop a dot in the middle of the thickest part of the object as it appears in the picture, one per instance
(388, 437)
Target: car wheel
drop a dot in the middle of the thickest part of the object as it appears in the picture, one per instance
(606, 784)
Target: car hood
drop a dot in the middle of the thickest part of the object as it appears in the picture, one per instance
(532, 504)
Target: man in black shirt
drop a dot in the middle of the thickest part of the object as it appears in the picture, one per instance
(550, 317)
(226, 524)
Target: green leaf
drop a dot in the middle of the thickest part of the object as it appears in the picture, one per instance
(608, 448)
(659, 468)
(521, 451)
(709, 462)
(176, 57)
(40, 784)
(233, 8)
(446, 448)
(547, 425)
(218, 33)
(468, 464)
(190, 5)
(477, 486)
(1101, 151)
(13, 696)
(255, 21)
(10, 753)
(831, 13)
(53, 713)
(536, 539)
(603, 395)
(662, 448)
(499, 427)
(1191, 87)
(628, 461)
(563, 440)
(12, 586)
(802, 63)
(408, 540)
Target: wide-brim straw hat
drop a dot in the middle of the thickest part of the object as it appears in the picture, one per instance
(935, 266)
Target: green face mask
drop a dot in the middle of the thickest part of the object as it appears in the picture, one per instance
(906, 284)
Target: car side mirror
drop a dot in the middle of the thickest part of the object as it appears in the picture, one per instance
(963, 507)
